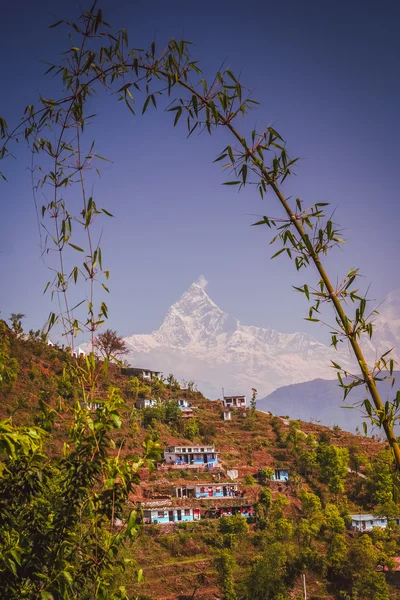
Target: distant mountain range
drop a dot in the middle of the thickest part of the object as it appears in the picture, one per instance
(321, 400)
(199, 341)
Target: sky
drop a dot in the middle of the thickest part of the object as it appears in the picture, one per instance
(327, 77)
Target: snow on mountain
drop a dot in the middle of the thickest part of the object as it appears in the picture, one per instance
(199, 341)
(387, 326)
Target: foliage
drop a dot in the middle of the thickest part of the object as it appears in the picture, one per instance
(57, 538)
(365, 582)
(333, 463)
(191, 429)
(249, 480)
(167, 412)
(265, 475)
(379, 479)
(16, 322)
(236, 525)
(224, 564)
(269, 578)
(110, 344)
(173, 383)
(8, 365)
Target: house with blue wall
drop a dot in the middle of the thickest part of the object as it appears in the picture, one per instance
(366, 522)
(191, 456)
(280, 475)
(183, 403)
(207, 490)
(162, 512)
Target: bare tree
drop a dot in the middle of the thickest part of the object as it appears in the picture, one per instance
(110, 344)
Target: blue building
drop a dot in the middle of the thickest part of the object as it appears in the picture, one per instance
(207, 490)
(191, 456)
(165, 512)
(280, 475)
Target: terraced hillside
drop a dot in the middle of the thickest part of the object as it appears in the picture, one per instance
(275, 507)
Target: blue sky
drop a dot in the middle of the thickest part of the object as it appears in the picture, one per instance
(326, 75)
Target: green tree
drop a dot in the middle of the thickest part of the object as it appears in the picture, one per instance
(224, 564)
(365, 581)
(337, 554)
(333, 520)
(8, 366)
(236, 525)
(16, 322)
(379, 479)
(191, 429)
(57, 538)
(271, 576)
(265, 475)
(333, 463)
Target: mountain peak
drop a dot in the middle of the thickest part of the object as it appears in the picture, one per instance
(196, 293)
(198, 340)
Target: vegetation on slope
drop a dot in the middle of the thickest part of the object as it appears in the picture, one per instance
(300, 527)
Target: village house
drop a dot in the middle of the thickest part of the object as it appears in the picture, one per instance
(185, 408)
(78, 352)
(143, 373)
(172, 510)
(234, 401)
(191, 456)
(280, 475)
(207, 490)
(145, 402)
(244, 511)
(366, 522)
(183, 403)
(162, 511)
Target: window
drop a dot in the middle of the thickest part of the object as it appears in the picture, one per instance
(189, 449)
(201, 449)
(161, 514)
(195, 449)
(209, 449)
(187, 513)
(183, 449)
(178, 449)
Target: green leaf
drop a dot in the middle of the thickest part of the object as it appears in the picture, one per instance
(75, 247)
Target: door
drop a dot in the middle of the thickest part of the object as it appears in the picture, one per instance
(171, 515)
(179, 515)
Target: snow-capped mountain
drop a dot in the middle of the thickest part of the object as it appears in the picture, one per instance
(387, 327)
(199, 341)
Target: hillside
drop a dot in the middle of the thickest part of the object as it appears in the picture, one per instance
(321, 400)
(179, 559)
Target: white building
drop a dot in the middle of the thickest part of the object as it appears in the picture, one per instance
(145, 402)
(227, 414)
(191, 456)
(139, 372)
(78, 352)
(365, 522)
(234, 401)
